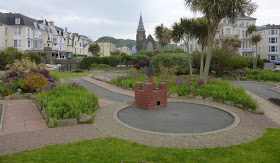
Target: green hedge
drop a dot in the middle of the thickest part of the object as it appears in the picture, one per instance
(262, 75)
(67, 101)
(171, 60)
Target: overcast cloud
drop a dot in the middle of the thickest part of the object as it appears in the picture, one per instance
(119, 18)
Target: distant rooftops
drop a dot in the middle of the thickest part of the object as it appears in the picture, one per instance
(245, 18)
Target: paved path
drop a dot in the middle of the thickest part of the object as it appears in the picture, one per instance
(21, 116)
(262, 89)
(102, 92)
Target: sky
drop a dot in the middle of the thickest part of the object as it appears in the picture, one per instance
(120, 18)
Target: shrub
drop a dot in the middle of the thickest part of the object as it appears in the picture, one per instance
(113, 61)
(7, 88)
(34, 83)
(171, 60)
(141, 57)
(67, 101)
(34, 57)
(260, 63)
(88, 61)
(104, 60)
(262, 75)
(94, 65)
(23, 64)
(103, 66)
(8, 56)
(238, 63)
(149, 53)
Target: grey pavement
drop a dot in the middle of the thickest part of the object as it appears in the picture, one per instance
(102, 92)
(260, 89)
(181, 118)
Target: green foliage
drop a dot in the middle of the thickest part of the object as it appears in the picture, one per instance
(250, 60)
(94, 65)
(186, 85)
(94, 49)
(66, 101)
(103, 66)
(117, 42)
(258, 74)
(113, 60)
(88, 61)
(104, 60)
(141, 57)
(8, 56)
(140, 71)
(150, 53)
(170, 60)
(34, 57)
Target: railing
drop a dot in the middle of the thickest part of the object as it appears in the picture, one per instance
(247, 49)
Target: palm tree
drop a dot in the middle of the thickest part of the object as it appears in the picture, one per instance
(163, 35)
(214, 11)
(255, 40)
(251, 30)
(184, 31)
(201, 33)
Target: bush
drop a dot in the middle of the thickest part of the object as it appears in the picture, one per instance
(34, 83)
(104, 60)
(34, 57)
(8, 56)
(170, 61)
(141, 57)
(150, 53)
(94, 65)
(238, 63)
(23, 64)
(88, 61)
(67, 101)
(260, 63)
(262, 75)
(113, 61)
(103, 66)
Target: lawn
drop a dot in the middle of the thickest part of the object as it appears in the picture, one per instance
(2, 75)
(265, 149)
(63, 75)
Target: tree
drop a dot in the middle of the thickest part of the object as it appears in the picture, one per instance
(94, 49)
(255, 40)
(201, 33)
(214, 11)
(184, 31)
(231, 44)
(163, 35)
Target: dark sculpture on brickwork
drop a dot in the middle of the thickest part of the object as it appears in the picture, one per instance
(150, 97)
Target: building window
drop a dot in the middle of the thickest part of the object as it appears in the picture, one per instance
(17, 21)
(15, 43)
(6, 30)
(273, 32)
(242, 24)
(272, 57)
(29, 43)
(247, 24)
(28, 33)
(273, 40)
(19, 31)
(36, 44)
(48, 45)
(273, 48)
(6, 43)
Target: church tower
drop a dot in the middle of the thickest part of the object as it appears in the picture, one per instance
(141, 36)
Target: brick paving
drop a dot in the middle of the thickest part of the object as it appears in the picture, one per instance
(21, 116)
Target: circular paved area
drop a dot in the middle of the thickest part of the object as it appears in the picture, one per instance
(177, 118)
(251, 127)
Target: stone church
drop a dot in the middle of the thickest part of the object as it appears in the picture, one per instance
(143, 43)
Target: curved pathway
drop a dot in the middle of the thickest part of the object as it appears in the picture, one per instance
(264, 90)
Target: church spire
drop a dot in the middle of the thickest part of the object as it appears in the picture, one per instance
(141, 25)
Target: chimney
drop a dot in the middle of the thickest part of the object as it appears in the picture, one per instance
(51, 23)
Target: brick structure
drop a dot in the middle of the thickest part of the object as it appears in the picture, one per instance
(150, 97)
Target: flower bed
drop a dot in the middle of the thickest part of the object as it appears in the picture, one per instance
(66, 101)
(185, 85)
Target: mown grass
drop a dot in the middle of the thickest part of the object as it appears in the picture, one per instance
(265, 149)
(64, 75)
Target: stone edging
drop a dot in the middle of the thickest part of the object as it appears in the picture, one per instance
(232, 126)
(2, 117)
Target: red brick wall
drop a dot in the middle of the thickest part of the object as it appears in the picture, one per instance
(148, 97)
